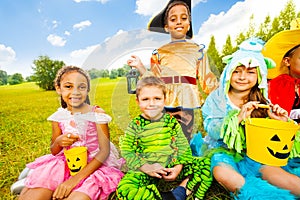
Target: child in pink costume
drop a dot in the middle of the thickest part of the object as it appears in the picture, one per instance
(75, 124)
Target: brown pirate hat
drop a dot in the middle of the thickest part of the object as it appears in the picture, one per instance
(157, 24)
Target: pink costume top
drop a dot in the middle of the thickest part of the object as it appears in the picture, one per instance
(177, 64)
(49, 171)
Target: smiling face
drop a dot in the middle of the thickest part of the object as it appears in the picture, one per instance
(73, 89)
(178, 22)
(151, 101)
(243, 79)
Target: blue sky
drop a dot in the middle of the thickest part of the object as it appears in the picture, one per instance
(70, 30)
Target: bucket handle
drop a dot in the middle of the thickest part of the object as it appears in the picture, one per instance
(248, 119)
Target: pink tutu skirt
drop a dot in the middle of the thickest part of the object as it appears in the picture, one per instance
(49, 171)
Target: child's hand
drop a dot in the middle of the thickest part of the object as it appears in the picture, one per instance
(278, 113)
(154, 170)
(247, 109)
(66, 140)
(64, 189)
(136, 62)
(172, 173)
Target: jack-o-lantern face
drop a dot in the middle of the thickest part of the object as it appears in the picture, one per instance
(280, 149)
(74, 164)
(270, 141)
(76, 158)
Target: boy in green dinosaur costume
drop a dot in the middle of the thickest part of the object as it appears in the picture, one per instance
(157, 152)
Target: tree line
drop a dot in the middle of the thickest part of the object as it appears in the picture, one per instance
(45, 69)
(264, 31)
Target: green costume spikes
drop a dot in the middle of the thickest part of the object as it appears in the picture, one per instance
(233, 135)
(160, 142)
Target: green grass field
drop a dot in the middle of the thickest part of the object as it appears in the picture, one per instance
(25, 132)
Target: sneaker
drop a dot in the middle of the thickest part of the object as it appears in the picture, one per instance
(17, 187)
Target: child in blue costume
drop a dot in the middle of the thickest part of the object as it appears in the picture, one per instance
(243, 86)
(157, 152)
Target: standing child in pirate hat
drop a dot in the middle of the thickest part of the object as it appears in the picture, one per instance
(177, 64)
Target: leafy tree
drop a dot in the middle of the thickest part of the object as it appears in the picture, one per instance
(240, 38)
(275, 27)
(113, 74)
(30, 78)
(3, 77)
(282, 22)
(126, 67)
(264, 29)
(228, 48)
(104, 73)
(45, 71)
(215, 60)
(251, 30)
(15, 79)
(121, 72)
(287, 15)
(94, 73)
(124, 70)
(246, 33)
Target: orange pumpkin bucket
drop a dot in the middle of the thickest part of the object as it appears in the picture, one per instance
(76, 159)
(270, 141)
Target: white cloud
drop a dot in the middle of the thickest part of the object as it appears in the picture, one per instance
(54, 24)
(237, 20)
(83, 53)
(56, 40)
(148, 8)
(76, 57)
(101, 1)
(117, 40)
(82, 25)
(11, 64)
(67, 33)
(120, 32)
(143, 53)
(115, 51)
(7, 55)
